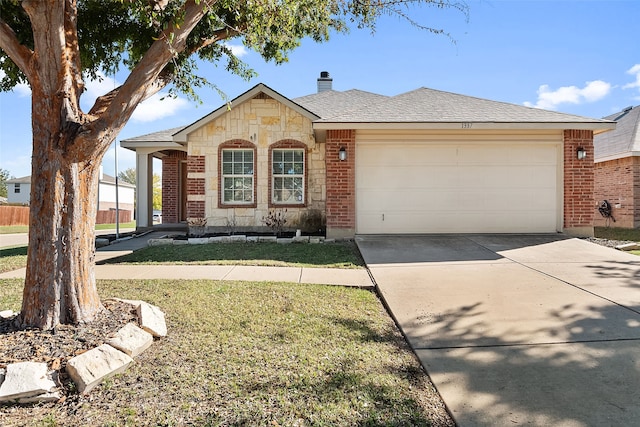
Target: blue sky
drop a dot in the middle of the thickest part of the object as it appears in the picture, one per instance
(579, 57)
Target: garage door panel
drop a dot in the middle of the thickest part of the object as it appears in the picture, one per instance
(411, 177)
(456, 189)
(386, 156)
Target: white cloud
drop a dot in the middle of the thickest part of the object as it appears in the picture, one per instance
(156, 108)
(634, 71)
(550, 99)
(238, 50)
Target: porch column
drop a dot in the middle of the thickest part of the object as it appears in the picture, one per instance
(144, 188)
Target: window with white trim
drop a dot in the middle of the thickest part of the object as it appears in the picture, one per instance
(287, 176)
(237, 176)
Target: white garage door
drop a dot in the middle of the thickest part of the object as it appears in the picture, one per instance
(457, 188)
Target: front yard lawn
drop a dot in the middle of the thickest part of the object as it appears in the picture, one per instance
(334, 255)
(13, 258)
(253, 354)
(613, 233)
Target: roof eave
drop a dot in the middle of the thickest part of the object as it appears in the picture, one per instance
(159, 145)
(617, 156)
(597, 127)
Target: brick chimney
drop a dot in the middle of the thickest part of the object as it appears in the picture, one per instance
(325, 82)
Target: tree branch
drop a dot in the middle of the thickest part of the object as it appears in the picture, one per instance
(146, 78)
(219, 35)
(19, 54)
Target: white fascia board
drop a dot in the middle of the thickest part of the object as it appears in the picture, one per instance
(594, 126)
(164, 145)
(617, 156)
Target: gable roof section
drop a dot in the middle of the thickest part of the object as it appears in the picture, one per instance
(181, 136)
(332, 103)
(428, 108)
(624, 141)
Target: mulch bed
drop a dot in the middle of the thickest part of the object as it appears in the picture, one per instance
(57, 346)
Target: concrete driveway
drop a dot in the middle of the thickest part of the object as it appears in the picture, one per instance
(518, 330)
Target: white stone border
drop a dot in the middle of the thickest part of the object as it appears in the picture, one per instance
(240, 238)
(31, 382)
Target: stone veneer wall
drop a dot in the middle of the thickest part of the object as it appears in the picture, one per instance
(618, 181)
(262, 121)
(579, 203)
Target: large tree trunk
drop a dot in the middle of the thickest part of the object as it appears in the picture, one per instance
(60, 285)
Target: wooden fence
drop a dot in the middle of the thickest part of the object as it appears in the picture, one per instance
(19, 215)
(109, 217)
(14, 215)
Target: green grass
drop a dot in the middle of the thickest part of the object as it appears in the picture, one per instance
(613, 233)
(333, 255)
(131, 224)
(255, 354)
(13, 258)
(12, 229)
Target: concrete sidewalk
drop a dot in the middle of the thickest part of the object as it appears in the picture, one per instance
(327, 276)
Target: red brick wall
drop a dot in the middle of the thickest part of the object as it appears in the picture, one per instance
(171, 186)
(341, 180)
(288, 143)
(578, 180)
(618, 181)
(195, 186)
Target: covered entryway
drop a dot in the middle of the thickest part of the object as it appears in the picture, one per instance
(431, 186)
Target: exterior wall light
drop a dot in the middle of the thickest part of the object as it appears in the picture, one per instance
(342, 154)
(581, 153)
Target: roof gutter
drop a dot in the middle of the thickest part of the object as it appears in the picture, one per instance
(596, 127)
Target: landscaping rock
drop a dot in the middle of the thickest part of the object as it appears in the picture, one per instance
(152, 320)
(216, 239)
(628, 247)
(131, 340)
(102, 242)
(284, 241)
(238, 239)
(267, 239)
(89, 369)
(314, 240)
(301, 239)
(41, 398)
(160, 242)
(252, 239)
(25, 380)
(198, 240)
(7, 314)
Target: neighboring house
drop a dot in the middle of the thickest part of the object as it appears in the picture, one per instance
(617, 170)
(424, 161)
(19, 192)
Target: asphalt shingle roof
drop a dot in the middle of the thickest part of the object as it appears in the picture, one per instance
(426, 105)
(624, 139)
(422, 105)
(331, 103)
(160, 136)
